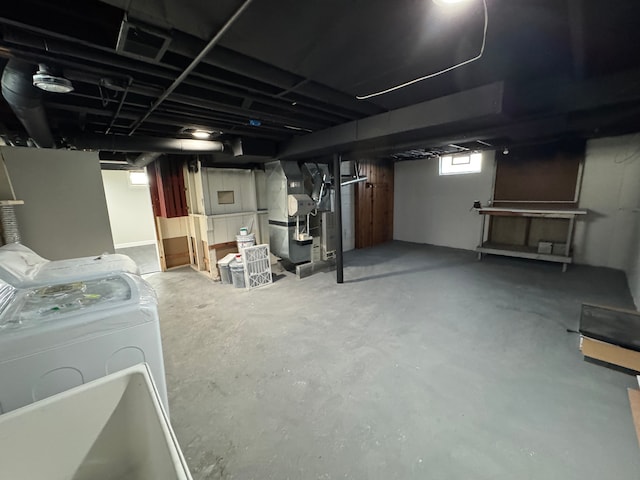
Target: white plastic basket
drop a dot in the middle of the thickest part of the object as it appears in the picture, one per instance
(257, 266)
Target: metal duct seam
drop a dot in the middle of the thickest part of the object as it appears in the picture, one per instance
(121, 143)
(26, 101)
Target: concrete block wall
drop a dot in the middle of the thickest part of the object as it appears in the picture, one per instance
(434, 209)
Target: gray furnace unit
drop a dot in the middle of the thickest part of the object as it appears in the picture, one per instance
(301, 223)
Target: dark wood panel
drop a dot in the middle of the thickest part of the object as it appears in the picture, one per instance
(541, 174)
(509, 230)
(553, 230)
(374, 204)
(166, 182)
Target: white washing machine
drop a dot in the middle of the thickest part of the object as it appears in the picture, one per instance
(56, 337)
(21, 267)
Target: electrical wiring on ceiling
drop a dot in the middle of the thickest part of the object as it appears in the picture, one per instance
(435, 74)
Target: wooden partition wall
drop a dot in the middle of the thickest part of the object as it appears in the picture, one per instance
(374, 204)
(547, 175)
(169, 202)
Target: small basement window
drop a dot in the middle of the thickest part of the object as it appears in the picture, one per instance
(461, 164)
(138, 178)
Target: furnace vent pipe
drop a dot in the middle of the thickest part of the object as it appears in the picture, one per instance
(122, 143)
(26, 101)
(144, 159)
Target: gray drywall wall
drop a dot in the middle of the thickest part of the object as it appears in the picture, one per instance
(607, 237)
(130, 212)
(65, 211)
(610, 236)
(435, 209)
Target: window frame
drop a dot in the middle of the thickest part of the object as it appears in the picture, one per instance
(137, 184)
(447, 164)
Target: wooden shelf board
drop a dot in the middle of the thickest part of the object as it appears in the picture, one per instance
(531, 212)
(521, 252)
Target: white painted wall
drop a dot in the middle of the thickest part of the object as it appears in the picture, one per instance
(225, 228)
(611, 193)
(610, 235)
(65, 211)
(130, 211)
(241, 182)
(434, 209)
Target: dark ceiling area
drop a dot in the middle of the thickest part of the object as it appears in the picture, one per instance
(282, 77)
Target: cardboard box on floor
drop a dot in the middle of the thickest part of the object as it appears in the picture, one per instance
(609, 353)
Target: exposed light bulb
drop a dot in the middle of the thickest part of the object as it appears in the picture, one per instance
(448, 2)
(201, 134)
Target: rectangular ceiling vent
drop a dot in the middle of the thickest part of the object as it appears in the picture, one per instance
(137, 39)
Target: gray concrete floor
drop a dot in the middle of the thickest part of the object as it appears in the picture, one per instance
(146, 256)
(424, 364)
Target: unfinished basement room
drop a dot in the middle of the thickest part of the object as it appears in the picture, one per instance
(319, 239)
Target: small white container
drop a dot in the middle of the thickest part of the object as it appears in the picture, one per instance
(237, 273)
(245, 241)
(225, 272)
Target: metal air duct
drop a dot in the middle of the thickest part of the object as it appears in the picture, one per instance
(122, 143)
(144, 159)
(26, 101)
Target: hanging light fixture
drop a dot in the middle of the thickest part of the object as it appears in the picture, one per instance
(201, 134)
(448, 2)
(49, 82)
